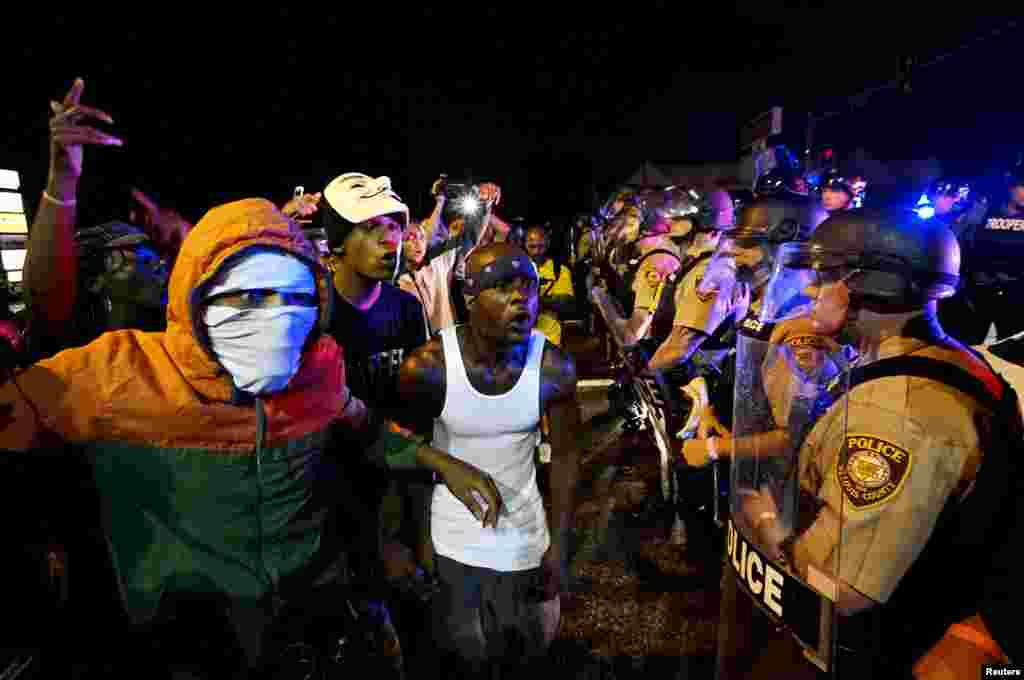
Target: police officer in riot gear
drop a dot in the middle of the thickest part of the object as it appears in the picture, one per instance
(956, 206)
(851, 483)
(779, 181)
(744, 257)
(837, 193)
(730, 290)
(992, 248)
(644, 257)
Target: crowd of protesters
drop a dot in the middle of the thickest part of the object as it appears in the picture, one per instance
(372, 422)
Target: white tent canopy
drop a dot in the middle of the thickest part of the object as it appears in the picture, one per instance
(648, 175)
(695, 174)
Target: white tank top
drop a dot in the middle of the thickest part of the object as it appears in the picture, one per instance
(497, 434)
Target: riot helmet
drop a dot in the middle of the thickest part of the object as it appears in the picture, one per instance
(779, 181)
(764, 225)
(670, 211)
(839, 192)
(615, 203)
(949, 195)
(884, 262)
(717, 212)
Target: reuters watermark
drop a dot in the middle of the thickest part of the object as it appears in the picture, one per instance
(1002, 671)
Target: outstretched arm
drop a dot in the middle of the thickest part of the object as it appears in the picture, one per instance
(51, 262)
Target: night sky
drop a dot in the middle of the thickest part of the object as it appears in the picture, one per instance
(216, 106)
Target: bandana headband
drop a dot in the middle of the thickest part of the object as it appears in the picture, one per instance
(501, 269)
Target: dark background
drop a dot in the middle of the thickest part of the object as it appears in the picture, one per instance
(555, 102)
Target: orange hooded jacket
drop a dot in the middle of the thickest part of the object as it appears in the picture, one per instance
(202, 491)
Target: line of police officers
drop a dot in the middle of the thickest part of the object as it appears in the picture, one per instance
(871, 454)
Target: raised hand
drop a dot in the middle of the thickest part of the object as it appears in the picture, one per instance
(69, 134)
(165, 226)
(490, 194)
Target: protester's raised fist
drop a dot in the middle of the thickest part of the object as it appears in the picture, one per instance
(490, 194)
(68, 134)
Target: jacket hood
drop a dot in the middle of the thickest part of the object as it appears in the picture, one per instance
(221, 237)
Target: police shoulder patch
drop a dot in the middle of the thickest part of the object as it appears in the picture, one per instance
(871, 471)
(653, 276)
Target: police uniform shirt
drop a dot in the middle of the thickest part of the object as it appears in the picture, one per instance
(909, 445)
(694, 309)
(653, 271)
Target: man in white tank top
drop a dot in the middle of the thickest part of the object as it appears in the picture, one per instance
(487, 384)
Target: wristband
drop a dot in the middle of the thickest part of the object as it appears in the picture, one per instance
(56, 201)
(978, 639)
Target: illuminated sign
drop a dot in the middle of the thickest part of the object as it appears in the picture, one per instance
(13, 223)
(13, 259)
(12, 207)
(11, 202)
(10, 180)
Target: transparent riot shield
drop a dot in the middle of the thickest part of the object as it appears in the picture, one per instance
(778, 614)
(653, 396)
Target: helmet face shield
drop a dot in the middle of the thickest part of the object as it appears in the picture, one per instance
(804, 273)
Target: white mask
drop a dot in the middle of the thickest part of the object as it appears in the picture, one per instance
(261, 348)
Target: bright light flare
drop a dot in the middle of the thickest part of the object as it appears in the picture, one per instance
(469, 204)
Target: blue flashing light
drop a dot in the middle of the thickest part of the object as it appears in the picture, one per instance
(926, 212)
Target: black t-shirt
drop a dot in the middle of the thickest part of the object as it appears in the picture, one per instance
(376, 341)
(996, 247)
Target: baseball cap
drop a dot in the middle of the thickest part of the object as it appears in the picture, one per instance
(353, 198)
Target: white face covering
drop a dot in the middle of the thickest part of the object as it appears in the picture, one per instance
(261, 347)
